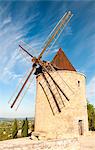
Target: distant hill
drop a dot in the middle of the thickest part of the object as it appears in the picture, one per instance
(10, 119)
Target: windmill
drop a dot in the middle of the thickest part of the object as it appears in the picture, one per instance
(58, 86)
(44, 68)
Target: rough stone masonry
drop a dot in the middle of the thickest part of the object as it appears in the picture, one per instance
(72, 121)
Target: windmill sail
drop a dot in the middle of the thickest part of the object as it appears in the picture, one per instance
(23, 86)
(53, 95)
(53, 77)
(37, 61)
(47, 97)
(54, 35)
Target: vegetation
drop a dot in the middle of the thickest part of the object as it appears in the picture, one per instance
(91, 116)
(15, 129)
(24, 131)
(20, 128)
(32, 126)
(6, 128)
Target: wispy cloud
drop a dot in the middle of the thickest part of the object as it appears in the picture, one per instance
(10, 34)
(7, 21)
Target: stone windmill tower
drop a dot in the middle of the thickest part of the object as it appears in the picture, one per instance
(61, 108)
(72, 119)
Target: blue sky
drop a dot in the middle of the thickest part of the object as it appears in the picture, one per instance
(31, 22)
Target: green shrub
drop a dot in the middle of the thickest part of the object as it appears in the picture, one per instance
(14, 129)
(24, 132)
(91, 116)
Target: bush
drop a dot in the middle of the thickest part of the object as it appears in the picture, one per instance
(91, 116)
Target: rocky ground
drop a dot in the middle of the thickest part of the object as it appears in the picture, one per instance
(86, 143)
(27, 144)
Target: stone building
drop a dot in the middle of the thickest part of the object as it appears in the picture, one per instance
(72, 119)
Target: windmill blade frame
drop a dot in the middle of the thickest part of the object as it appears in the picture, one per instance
(56, 31)
(18, 86)
(52, 38)
(24, 93)
(25, 51)
(49, 87)
(55, 83)
(44, 74)
(47, 98)
(22, 87)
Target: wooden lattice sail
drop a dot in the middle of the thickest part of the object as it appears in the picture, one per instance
(54, 35)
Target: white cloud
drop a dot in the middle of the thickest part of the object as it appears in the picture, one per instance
(7, 20)
(9, 39)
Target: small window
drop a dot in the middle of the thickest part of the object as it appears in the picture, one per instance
(78, 83)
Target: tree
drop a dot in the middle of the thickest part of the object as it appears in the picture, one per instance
(91, 116)
(14, 129)
(32, 126)
(24, 132)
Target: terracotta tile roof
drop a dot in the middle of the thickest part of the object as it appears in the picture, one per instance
(60, 61)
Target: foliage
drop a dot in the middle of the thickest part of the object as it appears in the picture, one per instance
(91, 116)
(32, 126)
(24, 132)
(6, 127)
(14, 129)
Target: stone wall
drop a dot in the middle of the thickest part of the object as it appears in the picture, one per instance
(27, 144)
(65, 123)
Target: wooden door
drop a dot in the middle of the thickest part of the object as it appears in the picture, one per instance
(80, 126)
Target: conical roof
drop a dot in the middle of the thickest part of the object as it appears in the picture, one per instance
(60, 61)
